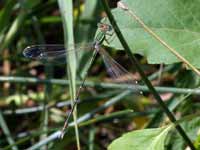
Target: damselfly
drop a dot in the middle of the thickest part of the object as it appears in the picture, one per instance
(51, 52)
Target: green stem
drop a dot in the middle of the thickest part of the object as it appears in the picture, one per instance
(29, 80)
(141, 72)
(66, 103)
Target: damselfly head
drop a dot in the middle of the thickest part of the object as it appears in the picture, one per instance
(104, 27)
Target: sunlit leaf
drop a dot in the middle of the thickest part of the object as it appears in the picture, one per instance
(148, 139)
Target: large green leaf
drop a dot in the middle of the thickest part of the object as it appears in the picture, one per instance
(148, 139)
(177, 22)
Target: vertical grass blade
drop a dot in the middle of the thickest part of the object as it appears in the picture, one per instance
(6, 131)
(91, 139)
(86, 32)
(25, 9)
(66, 9)
(5, 14)
(13, 30)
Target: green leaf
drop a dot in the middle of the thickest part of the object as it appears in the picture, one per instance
(175, 21)
(148, 139)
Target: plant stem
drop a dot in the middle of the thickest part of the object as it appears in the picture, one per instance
(6, 131)
(27, 110)
(29, 80)
(66, 9)
(141, 72)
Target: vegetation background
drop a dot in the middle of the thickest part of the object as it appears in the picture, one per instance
(35, 96)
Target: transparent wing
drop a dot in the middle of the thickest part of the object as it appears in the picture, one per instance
(53, 51)
(116, 71)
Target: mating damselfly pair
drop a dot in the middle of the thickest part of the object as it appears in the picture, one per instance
(54, 51)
